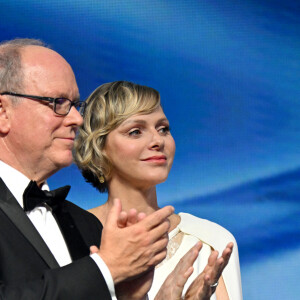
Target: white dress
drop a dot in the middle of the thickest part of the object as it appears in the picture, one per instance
(211, 235)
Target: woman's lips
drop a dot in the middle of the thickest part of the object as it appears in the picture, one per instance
(156, 159)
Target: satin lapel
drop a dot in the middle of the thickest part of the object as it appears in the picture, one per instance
(74, 240)
(12, 209)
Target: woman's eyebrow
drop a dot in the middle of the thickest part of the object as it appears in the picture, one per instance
(141, 121)
(135, 121)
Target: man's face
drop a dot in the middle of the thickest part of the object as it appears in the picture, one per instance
(40, 140)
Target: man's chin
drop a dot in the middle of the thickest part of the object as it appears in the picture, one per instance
(64, 162)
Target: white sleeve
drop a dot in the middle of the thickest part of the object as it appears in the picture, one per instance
(106, 274)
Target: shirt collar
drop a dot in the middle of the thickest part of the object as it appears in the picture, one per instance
(16, 182)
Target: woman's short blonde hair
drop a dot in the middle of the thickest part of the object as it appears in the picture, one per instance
(107, 107)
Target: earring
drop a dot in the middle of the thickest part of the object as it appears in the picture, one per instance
(101, 178)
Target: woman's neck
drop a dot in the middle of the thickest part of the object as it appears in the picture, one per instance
(143, 200)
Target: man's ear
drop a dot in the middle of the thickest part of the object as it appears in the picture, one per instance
(4, 120)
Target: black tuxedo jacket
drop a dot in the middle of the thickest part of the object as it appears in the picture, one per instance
(28, 270)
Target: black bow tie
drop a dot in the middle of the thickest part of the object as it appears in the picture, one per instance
(34, 196)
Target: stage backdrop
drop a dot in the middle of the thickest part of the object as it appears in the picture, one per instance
(229, 77)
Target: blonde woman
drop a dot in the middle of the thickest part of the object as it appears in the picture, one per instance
(125, 148)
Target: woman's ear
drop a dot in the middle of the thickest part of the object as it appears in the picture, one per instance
(4, 120)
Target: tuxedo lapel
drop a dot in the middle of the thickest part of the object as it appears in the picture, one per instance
(13, 210)
(74, 240)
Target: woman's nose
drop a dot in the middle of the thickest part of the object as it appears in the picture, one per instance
(157, 141)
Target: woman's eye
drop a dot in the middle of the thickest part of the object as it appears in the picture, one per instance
(164, 130)
(135, 132)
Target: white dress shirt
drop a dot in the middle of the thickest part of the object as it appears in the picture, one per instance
(45, 223)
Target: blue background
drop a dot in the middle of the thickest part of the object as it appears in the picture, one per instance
(229, 76)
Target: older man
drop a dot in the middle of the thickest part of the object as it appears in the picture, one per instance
(44, 239)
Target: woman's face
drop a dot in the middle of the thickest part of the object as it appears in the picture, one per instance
(141, 150)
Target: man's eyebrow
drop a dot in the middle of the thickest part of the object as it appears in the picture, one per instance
(77, 98)
(63, 95)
